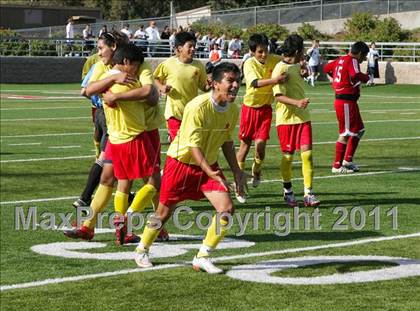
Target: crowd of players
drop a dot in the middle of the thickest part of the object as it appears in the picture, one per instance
(125, 93)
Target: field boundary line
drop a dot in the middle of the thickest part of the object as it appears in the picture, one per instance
(400, 170)
(215, 259)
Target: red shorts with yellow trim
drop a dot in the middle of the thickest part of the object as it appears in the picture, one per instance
(255, 123)
(293, 136)
(134, 159)
(173, 127)
(350, 121)
(182, 182)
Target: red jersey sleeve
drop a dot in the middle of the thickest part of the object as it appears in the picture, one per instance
(329, 67)
(354, 71)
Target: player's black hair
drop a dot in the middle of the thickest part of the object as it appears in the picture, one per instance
(114, 37)
(209, 68)
(128, 51)
(292, 45)
(220, 69)
(182, 37)
(359, 47)
(257, 39)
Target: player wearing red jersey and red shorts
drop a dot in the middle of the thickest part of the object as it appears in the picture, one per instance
(346, 80)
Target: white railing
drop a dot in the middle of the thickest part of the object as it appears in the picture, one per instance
(388, 51)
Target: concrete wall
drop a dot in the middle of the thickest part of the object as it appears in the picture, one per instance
(68, 70)
(408, 20)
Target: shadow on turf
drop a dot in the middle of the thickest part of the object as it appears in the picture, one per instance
(311, 236)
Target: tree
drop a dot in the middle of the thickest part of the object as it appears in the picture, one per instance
(360, 26)
(309, 32)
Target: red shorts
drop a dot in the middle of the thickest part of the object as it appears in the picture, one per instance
(293, 136)
(173, 127)
(134, 159)
(108, 152)
(182, 182)
(350, 121)
(154, 139)
(255, 123)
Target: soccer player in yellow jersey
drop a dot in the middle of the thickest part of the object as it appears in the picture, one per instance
(107, 45)
(293, 121)
(191, 169)
(179, 78)
(256, 111)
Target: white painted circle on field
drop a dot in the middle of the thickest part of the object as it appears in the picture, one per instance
(261, 271)
(158, 250)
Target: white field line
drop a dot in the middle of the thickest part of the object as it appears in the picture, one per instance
(45, 108)
(369, 95)
(45, 119)
(399, 170)
(367, 110)
(216, 259)
(20, 97)
(24, 144)
(64, 147)
(69, 92)
(46, 135)
(268, 146)
(48, 159)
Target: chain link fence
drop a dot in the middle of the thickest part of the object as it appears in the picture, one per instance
(287, 13)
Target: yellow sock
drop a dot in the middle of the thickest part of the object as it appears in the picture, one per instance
(241, 165)
(149, 236)
(97, 148)
(212, 237)
(143, 197)
(256, 166)
(121, 202)
(286, 167)
(307, 169)
(100, 200)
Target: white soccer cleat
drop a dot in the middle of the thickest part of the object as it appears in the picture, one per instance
(240, 198)
(341, 170)
(142, 258)
(310, 200)
(351, 166)
(205, 264)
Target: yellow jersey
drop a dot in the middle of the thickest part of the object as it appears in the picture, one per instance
(185, 80)
(206, 126)
(254, 70)
(293, 87)
(90, 61)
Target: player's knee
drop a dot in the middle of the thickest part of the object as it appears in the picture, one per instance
(100, 161)
(343, 139)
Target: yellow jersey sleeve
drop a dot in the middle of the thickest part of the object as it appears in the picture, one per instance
(99, 71)
(292, 88)
(90, 61)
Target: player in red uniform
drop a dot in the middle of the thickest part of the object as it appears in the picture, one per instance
(346, 80)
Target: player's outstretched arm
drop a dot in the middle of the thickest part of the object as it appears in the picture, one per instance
(240, 176)
(100, 86)
(148, 92)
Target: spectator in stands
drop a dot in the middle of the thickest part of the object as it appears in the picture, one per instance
(221, 42)
(165, 35)
(234, 48)
(127, 31)
(88, 37)
(141, 35)
(273, 45)
(70, 35)
(373, 65)
(153, 38)
(103, 30)
(215, 55)
(207, 41)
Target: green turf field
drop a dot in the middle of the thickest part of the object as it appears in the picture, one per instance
(367, 223)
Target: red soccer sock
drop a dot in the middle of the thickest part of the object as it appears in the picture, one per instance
(351, 148)
(340, 149)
